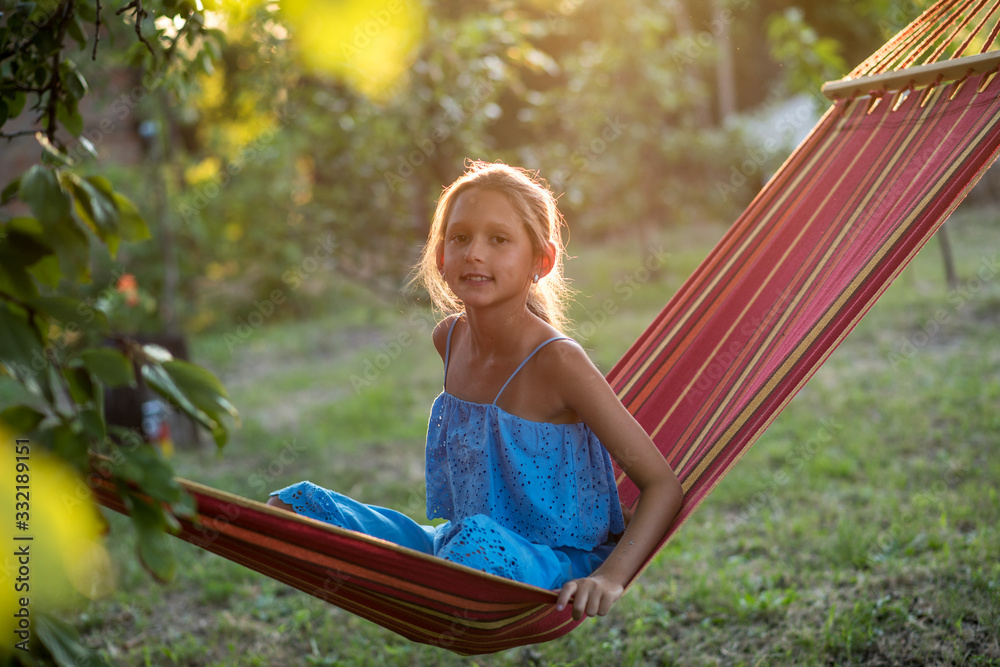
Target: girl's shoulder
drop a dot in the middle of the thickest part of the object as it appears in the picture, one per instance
(566, 368)
(440, 333)
(563, 355)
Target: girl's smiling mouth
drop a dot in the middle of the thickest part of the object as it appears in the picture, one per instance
(475, 278)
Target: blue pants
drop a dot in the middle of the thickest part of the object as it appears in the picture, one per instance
(476, 541)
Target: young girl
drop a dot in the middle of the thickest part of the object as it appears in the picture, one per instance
(519, 439)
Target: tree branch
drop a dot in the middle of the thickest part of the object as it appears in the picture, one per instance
(139, 13)
(27, 89)
(173, 43)
(20, 133)
(97, 31)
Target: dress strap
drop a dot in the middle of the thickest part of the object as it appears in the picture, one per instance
(447, 349)
(526, 360)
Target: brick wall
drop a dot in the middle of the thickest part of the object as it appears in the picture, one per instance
(111, 122)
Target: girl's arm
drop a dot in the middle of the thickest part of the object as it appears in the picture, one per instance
(440, 334)
(586, 392)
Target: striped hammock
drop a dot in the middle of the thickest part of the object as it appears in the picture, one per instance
(819, 244)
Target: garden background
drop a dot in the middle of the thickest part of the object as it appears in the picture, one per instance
(256, 179)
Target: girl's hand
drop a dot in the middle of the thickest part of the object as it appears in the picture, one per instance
(592, 596)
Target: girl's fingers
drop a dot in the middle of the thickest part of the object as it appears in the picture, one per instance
(606, 602)
(565, 594)
(589, 599)
(598, 605)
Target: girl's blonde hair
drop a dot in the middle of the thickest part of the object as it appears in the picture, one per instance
(532, 200)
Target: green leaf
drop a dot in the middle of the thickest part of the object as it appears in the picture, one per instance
(158, 481)
(87, 12)
(94, 206)
(56, 156)
(20, 343)
(155, 551)
(93, 424)
(27, 226)
(187, 506)
(213, 48)
(157, 377)
(45, 41)
(10, 191)
(156, 555)
(47, 272)
(76, 31)
(21, 247)
(87, 145)
(72, 248)
(133, 227)
(41, 191)
(73, 314)
(203, 389)
(16, 105)
(137, 56)
(157, 353)
(200, 384)
(205, 63)
(16, 281)
(110, 366)
(49, 377)
(102, 184)
(70, 446)
(70, 117)
(81, 387)
(21, 418)
(63, 643)
(92, 319)
(216, 35)
(124, 468)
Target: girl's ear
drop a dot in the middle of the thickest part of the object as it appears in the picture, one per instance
(440, 256)
(547, 260)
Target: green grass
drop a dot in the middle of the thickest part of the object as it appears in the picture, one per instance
(861, 529)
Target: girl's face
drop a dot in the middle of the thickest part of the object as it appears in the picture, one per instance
(486, 253)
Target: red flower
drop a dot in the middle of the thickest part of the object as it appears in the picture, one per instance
(128, 286)
(127, 283)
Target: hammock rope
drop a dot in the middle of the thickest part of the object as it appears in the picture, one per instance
(926, 39)
(794, 274)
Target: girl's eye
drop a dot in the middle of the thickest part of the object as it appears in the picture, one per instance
(501, 239)
(459, 238)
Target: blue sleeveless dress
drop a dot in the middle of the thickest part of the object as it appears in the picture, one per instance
(531, 501)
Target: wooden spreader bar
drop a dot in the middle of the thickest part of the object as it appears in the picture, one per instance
(916, 76)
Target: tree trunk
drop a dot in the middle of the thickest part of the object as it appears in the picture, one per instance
(161, 168)
(948, 256)
(724, 73)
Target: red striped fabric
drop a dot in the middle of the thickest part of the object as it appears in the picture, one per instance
(425, 599)
(794, 274)
(797, 271)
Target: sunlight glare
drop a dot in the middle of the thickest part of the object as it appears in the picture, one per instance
(65, 556)
(368, 43)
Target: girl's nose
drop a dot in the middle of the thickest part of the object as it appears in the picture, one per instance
(474, 251)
